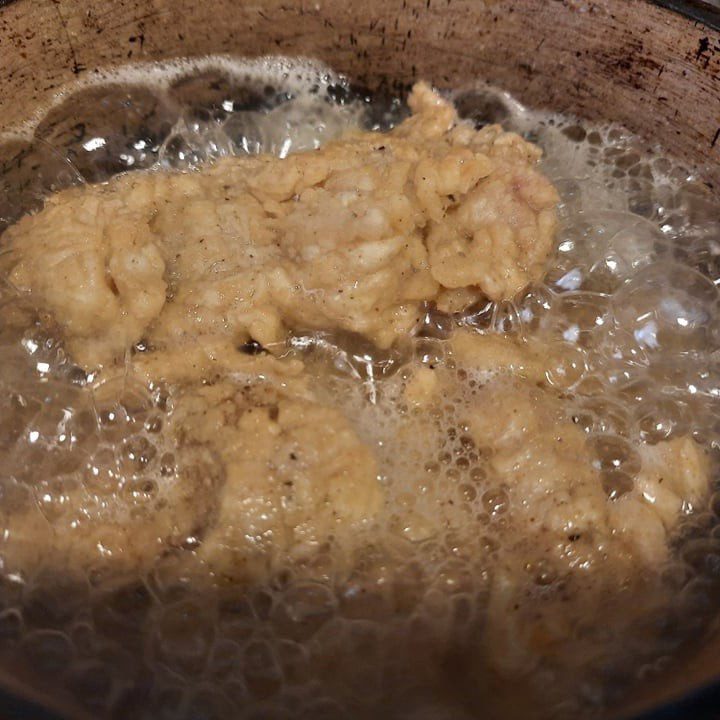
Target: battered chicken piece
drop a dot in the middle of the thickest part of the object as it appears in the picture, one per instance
(352, 236)
(562, 525)
(548, 470)
(552, 467)
(261, 476)
(551, 473)
(567, 531)
(297, 477)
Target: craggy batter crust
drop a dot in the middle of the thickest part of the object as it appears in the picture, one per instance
(352, 236)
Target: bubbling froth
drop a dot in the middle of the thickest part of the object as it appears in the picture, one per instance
(628, 314)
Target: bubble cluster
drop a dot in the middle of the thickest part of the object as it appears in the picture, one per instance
(178, 115)
(628, 319)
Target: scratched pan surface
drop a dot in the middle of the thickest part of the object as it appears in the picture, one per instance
(648, 67)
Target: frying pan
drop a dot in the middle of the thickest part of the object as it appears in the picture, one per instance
(653, 67)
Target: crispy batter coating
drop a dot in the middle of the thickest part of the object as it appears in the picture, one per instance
(352, 236)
